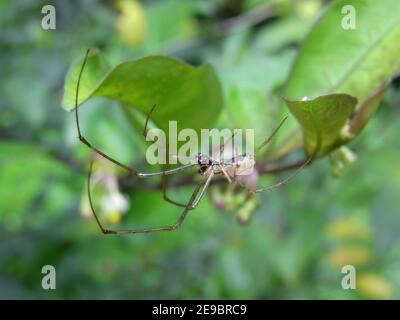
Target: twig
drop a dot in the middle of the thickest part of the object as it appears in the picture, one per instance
(127, 182)
(284, 168)
(246, 19)
(228, 27)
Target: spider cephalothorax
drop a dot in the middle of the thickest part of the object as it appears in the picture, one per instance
(204, 162)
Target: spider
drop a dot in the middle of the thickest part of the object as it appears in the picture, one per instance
(208, 167)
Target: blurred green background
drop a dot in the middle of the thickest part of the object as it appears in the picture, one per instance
(298, 238)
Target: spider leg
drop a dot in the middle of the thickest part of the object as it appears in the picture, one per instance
(147, 121)
(295, 173)
(164, 183)
(225, 173)
(80, 136)
(194, 199)
(132, 171)
(284, 181)
(202, 191)
(221, 150)
(268, 140)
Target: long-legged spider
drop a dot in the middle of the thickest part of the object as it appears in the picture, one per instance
(208, 168)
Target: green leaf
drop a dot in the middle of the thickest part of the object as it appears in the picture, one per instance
(190, 95)
(172, 22)
(356, 62)
(322, 120)
(359, 62)
(26, 173)
(248, 84)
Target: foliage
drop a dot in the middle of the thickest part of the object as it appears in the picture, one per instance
(323, 120)
(236, 64)
(191, 96)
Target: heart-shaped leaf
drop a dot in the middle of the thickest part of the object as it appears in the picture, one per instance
(322, 120)
(190, 95)
(335, 58)
(353, 61)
